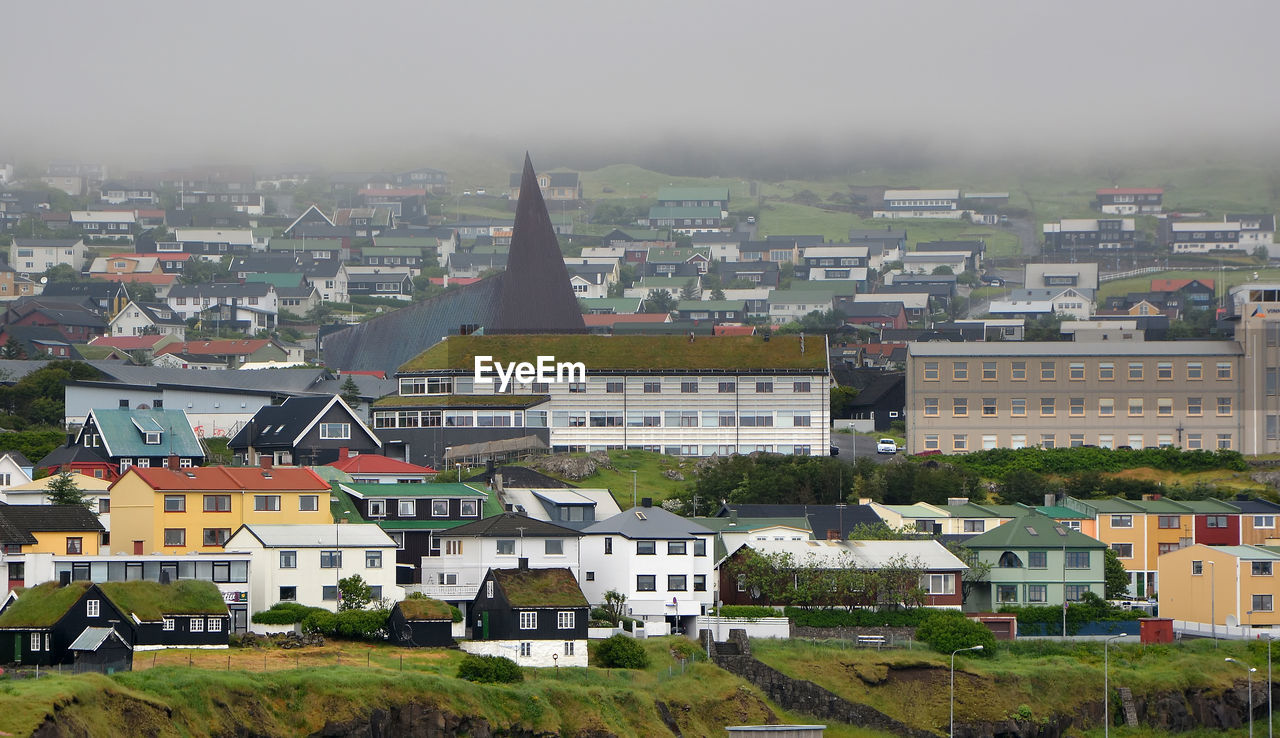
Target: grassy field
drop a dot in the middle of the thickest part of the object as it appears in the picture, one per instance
(1045, 678)
(650, 478)
(1223, 280)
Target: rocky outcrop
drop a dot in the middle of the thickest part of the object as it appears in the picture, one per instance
(425, 721)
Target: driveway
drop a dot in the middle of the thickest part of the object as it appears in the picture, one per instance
(853, 446)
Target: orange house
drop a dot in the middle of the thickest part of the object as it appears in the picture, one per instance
(1223, 585)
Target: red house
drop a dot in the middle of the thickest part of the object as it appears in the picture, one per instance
(1216, 522)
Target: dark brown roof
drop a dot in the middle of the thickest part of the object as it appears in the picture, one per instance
(18, 522)
(539, 587)
(536, 295)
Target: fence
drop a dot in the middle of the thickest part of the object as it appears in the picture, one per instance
(1225, 632)
(755, 627)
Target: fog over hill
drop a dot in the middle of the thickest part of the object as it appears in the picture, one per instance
(749, 88)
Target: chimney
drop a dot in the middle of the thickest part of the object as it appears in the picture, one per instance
(64, 578)
(833, 534)
(174, 463)
(865, 500)
(343, 452)
(266, 460)
(522, 563)
(1050, 499)
(497, 481)
(733, 517)
(646, 502)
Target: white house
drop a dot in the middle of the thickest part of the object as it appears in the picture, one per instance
(469, 551)
(37, 255)
(303, 563)
(660, 561)
(925, 262)
(786, 306)
(920, 204)
(138, 319)
(116, 225)
(15, 470)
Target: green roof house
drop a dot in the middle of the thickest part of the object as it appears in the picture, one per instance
(1035, 560)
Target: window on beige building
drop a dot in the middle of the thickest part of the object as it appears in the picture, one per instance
(1047, 371)
(931, 442)
(1195, 370)
(960, 371)
(931, 371)
(1106, 370)
(1076, 407)
(1195, 406)
(1106, 407)
(1106, 441)
(1018, 407)
(1164, 370)
(1047, 408)
(988, 407)
(1075, 370)
(1224, 406)
(960, 442)
(1224, 370)
(1135, 407)
(1164, 407)
(989, 371)
(1018, 371)
(1194, 441)
(960, 407)
(1135, 370)
(1018, 440)
(931, 407)
(1048, 440)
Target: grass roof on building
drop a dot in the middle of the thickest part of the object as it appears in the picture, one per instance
(730, 353)
(425, 608)
(42, 605)
(540, 587)
(153, 600)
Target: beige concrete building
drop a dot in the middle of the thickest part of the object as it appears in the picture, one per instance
(970, 396)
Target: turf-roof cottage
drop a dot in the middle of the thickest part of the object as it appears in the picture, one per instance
(41, 625)
(418, 622)
(535, 617)
(691, 396)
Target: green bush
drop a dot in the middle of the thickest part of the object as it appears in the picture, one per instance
(489, 669)
(947, 630)
(365, 625)
(909, 618)
(1091, 608)
(998, 462)
(284, 613)
(620, 652)
(747, 611)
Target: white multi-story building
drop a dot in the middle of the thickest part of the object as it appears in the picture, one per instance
(920, 204)
(660, 561)
(505, 541)
(691, 396)
(304, 563)
(37, 255)
(1202, 237)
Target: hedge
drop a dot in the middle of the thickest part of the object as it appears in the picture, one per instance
(997, 462)
(948, 630)
(1092, 608)
(284, 613)
(857, 618)
(747, 611)
(620, 652)
(366, 625)
(489, 669)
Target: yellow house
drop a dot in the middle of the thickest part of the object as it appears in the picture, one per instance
(70, 530)
(1223, 585)
(1140, 531)
(197, 509)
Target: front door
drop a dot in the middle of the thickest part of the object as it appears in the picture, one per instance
(484, 625)
(137, 548)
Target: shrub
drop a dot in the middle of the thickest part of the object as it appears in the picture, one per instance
(367, 625)
(284, 613)
(909, 618)
(947, 630)
(489, 669)
(621, 652)
(747, 611)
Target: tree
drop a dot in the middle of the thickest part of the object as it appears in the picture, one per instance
(717, 294)
(690, 290)
(350, 392)
(63, 490)
(977, 572)
(659, 301)
(615, 604)
(1115, 576)
(1025, 486)
(354, 593)
(943, 269)
(142, 291)
(841, 399)
(12, 349)
(62, 273)
(620, 652)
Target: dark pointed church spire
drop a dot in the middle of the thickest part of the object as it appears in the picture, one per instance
(536, 294)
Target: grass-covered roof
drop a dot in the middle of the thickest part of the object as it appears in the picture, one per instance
(45, 604)
(540, 587)
(598, 353)
(425, 608)
(42, 605)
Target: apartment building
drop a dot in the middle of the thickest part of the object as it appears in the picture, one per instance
(1223, 585)
(970, 396)
(692, 396)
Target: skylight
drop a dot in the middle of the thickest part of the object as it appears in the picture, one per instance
(640, 515)
(1032, 531)
(1061, 531)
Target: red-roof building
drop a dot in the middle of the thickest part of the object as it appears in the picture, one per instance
(379, 469)
(1176, 285)
(132, 343)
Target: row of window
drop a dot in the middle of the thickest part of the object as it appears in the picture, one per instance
(468, 508)
(507, 547)
(1007, 594)
(196, 625)
(655, 418)
(960, 441)
(412, 386)
(675, 583)
(222, 503)
(564, 619)
(1076, 370)
(221, 572)
(329, 592)
(1040, 559)
(205, 301)
(460, 419)
(989, 407)
(1173, 522)
(674, 548)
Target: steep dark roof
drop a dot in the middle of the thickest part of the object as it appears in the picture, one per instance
(884, 384)
(17, 457)
(278, 425)
(510, 525)
(70, 455)
(538, 298)
(822, 518)
(539, 587)
(521, 477)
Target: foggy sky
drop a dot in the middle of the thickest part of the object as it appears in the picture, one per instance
(328, 82)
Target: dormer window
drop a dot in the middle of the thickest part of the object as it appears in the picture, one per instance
(152, 438)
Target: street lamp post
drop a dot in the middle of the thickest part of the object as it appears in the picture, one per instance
(1106, 683)
(1248, 675)
(633, 487)
(1213, 602)
(953, 684)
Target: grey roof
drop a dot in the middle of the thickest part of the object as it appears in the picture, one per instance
(91, 639)
(512, 525)
(60, 243)
(1078, 348)
(221, 289)
(647, 522)
(16, 457)
(317, 536)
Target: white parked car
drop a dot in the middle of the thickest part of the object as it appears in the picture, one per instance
(886, 446)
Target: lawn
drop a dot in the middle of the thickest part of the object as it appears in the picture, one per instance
(1042, 677)
(650, 479)
(1223, 280)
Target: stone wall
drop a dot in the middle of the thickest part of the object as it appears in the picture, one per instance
(893, 635)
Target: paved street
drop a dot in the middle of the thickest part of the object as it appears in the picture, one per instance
(852, 446)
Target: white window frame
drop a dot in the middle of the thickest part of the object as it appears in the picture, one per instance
(565, 619)
(93, 608)
(528, 620)
(197, 625)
